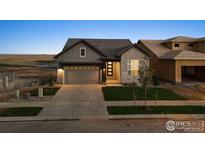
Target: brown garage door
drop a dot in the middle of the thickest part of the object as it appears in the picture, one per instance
(82, 75)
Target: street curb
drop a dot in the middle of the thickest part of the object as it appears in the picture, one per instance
(158, 116)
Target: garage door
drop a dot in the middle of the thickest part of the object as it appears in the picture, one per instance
(82, 75)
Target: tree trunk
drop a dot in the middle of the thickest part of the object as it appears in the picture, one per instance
(4, 96)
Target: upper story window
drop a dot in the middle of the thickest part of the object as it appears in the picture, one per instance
(176, 45)
(82, 52)
(191, 45)
(133, 67)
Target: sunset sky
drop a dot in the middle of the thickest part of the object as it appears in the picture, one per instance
(49, 37)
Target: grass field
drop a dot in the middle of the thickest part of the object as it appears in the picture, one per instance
(123, 110)
(25, 60)
(13, 65)
(126, 94)
(20, 111)
(27, 65)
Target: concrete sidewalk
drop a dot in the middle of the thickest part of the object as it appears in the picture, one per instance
(91, 110)
(110, 117)
(24, 104)
(159, 102)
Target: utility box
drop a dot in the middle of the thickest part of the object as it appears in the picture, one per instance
(40, 92)
(17, 94)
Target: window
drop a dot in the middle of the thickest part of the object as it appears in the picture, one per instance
(191, 45)
(133, 67)
(176, 45)
(109, 68)
(82, 52)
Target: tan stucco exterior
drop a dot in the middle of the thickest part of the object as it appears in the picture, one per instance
(197, 46)
(201, 46)
(183, 46)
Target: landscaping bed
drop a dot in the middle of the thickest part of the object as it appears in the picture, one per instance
(20, 111)
(31, 95)
(126, 94)
(125, 110)
(48, 91)
(190, 93)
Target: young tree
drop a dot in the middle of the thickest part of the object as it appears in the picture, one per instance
(145, 76)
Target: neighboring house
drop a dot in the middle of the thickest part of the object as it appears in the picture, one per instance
(99, 61)
(176, 59)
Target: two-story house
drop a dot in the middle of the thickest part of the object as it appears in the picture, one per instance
(176, 59)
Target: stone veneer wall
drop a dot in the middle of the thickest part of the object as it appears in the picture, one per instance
(132, 53)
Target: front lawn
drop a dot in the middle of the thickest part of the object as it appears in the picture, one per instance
(46, 91)
(123, 110)
(126, 94)
(20, 111)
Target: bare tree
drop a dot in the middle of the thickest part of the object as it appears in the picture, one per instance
(145, 74)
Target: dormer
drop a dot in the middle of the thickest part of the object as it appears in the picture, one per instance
(180, 43)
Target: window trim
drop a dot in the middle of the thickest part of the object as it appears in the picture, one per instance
(191, 45)
(178, 45)
(80, 52)
(129, 66)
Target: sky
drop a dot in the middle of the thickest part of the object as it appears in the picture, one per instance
(49, 37)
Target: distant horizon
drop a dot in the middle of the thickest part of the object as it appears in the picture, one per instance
(49, 36)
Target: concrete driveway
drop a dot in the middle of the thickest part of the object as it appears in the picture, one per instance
(77, 102)
(79, 93)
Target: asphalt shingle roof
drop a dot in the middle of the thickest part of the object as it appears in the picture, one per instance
(156, 47)
(183, 54)
(108, 47)
(180, 39)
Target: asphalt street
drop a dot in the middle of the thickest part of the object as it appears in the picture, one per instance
(90, 126)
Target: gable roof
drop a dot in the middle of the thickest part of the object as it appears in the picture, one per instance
(156, 47)
(70, 44)
(106, 47)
